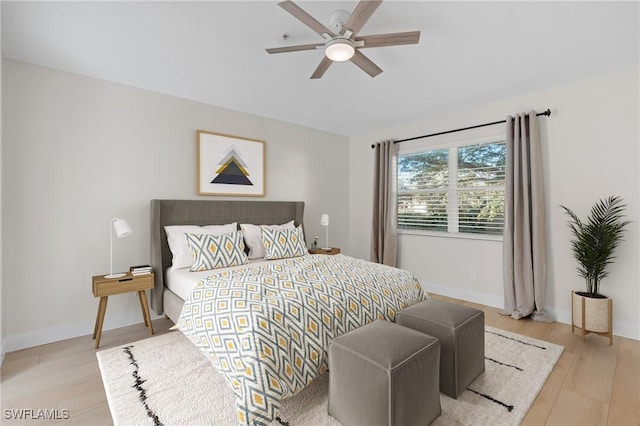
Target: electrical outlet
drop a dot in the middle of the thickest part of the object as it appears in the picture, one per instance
(473, 274)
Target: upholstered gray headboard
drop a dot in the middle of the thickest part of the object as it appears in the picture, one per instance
(208, 212)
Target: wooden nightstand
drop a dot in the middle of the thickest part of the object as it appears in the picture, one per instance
(332, 250)
(105, 287)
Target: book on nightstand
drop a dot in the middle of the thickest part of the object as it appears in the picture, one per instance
(140, 270)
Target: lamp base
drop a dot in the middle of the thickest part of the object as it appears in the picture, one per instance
(118, 275)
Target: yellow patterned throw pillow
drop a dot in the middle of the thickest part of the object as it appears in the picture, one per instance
(283, 243)
(216, 251)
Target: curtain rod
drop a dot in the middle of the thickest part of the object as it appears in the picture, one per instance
(547, 113)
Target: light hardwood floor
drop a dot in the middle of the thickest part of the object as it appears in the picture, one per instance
(592, 384)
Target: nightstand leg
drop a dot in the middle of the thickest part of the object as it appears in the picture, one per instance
(142, 297)
(145, 309)
(95, 328)
(102, 308)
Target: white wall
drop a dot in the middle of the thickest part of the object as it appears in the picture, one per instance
(2, 309)
(590, 148)
(79, 151)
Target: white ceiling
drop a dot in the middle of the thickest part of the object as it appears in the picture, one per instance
(469, 53)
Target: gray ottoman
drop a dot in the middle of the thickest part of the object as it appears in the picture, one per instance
(384, 374)
(460, 330)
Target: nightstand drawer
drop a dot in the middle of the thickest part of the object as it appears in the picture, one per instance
(106, 287)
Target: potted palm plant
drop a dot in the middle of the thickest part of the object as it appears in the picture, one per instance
(595, 241)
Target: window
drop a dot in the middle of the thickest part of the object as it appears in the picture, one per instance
(453, 190)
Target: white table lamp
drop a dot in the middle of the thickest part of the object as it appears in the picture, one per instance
(324, 221)
(122, 229)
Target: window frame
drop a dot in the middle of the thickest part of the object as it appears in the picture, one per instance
(452, 192)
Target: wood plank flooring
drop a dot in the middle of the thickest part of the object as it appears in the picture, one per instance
(592, 384)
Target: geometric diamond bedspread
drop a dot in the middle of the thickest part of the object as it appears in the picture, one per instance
(267, 328)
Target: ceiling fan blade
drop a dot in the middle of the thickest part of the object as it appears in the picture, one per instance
(297, 48)
(391, 39)
(325, 63)
(360, 16)
(365, 64)
(305, 18)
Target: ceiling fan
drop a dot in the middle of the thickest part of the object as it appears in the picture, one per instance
(344, 44)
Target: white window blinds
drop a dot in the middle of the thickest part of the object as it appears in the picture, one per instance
(453, 190)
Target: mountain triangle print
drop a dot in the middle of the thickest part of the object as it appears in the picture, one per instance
(233, 170)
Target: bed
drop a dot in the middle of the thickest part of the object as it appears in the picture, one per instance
(267, 326)
(201, 212)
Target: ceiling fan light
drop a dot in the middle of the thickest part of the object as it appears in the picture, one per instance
(339, 49)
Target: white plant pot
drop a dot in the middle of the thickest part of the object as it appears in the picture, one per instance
(592, 315)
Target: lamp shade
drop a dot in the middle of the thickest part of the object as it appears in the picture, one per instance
(121, 228)
(324, 221)
(339, 49)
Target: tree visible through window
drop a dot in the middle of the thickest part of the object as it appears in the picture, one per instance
(453, 190)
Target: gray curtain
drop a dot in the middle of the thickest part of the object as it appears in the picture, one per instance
(383, 231)
(524, 225)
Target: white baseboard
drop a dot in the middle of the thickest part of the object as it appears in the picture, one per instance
(469, 296)
(630, 331)
(28, 339)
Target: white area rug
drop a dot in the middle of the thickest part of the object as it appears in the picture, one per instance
(167, 380)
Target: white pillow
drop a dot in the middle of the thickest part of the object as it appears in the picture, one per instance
(253, 237)
(182, 257)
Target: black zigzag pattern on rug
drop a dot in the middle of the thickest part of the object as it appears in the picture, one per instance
(490, 398)
(507, 406)
(516, 340)
(138, 382)
(503, 364)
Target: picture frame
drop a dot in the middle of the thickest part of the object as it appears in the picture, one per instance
(230, 165)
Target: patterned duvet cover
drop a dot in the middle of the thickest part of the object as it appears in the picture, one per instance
(267, 328)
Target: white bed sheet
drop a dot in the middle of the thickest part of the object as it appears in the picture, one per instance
(181, 281)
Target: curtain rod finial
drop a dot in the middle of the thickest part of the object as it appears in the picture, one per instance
(373, 145)
(547, 112)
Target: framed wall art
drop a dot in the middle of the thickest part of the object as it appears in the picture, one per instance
(230, 165)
